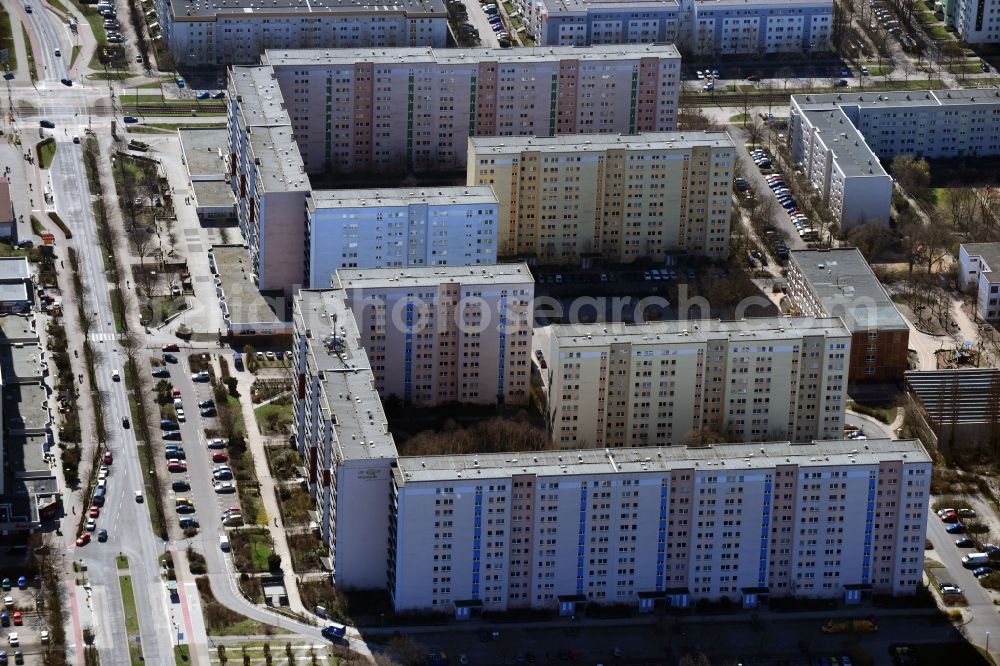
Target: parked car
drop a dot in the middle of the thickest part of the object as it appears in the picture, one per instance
(982, 571)
(955, 528)
(225, 488)
(219, 457)
(202, 376)
(207, 411)
(216, 443)
(950, 589)
(161, 373)
(102, 535)
(128, 120)
(222, 474)
(188, 522)
(965, 542)
(966, 513)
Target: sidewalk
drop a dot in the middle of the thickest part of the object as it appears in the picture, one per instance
(255, 443)
(21, 73)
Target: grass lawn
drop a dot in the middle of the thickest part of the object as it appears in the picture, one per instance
(74, 56)
(250, 548)
(220, 621)
(881, 71)
(131, 620)
(182, 655)
(121, 561)
(36, 226)
(7, 38)
(275, 417)
(886, 413)
(46, 152)
(965, 68)
(96, 22)
(739, 118)
(938, 32)
(31, 54)
(60, 6)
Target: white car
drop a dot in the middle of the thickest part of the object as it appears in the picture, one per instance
(217, 443)
(951, 589)
(701, 75)
(200, 376)
(181, 417)
(13, 640)
(225, 487)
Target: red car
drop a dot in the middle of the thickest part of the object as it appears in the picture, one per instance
(176, 393)
(219, 456)
(95, 511)
(172, 347)
(176, 466)
(83, 539)
(18, 618)
(108, 458)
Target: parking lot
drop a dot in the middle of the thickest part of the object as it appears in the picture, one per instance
(22, 628)
(479, 21)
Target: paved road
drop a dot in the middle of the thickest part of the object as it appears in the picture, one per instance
(126, 520)
(477, 17)
(49, 33)
(985, 617)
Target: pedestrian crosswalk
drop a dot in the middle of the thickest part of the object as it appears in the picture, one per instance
(104, 337)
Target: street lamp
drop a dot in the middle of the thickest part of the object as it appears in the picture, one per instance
(987, 641)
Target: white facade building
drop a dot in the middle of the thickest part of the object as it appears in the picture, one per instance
(699, 27)
(977, 263)
(439, 335)
(976, 21)
(397, 228)
(237, 32)
(659, 525)
(840, 137)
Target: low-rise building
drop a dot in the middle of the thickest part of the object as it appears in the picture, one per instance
(204, 151)
(624, 198)
(840, 283)
(976, 264)
(16, 285)
(721, 27)
(960, 406)
(236, 32)
(246, 311)
(399, 228)
(660, 527)
(679, 382)
(439, 335)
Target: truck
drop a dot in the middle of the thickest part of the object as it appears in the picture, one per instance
(975, 560)
(335, 632)
(841, 626)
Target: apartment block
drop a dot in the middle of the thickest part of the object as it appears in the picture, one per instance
(343, 437)
(669, 382)
(397, 109)
(839, 139)
(975, 21)
(976, 263)
(659, 527)
(622, 197)
(268, 180)
(547, 529)
(438, 335)
(237, 32)
(399, 228)
(699, 27)
(840, 283)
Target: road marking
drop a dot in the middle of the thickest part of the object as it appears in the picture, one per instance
(104, 337)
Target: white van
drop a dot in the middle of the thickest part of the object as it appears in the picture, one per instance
(224, 542)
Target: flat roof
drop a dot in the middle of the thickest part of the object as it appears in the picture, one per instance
(14, 268)
(761, 455)
(687, 331)
(21, 362)
(889, 98)
(380, 278)
(17, 328)
(403, 196)
(278, 160)
(846, 286)
(853, 155)
(334, 57)
(14, 292)
(201, 9)
(579, 6)
(205, 150)
(260, 100)
(243, 302)
(990, 254)
(346, 376)
(26, 407)
(584, 143)
(213, 194)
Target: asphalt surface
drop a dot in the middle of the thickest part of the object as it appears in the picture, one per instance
(985, 618)
(50, 34)
(126, 520)
(477, 17)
